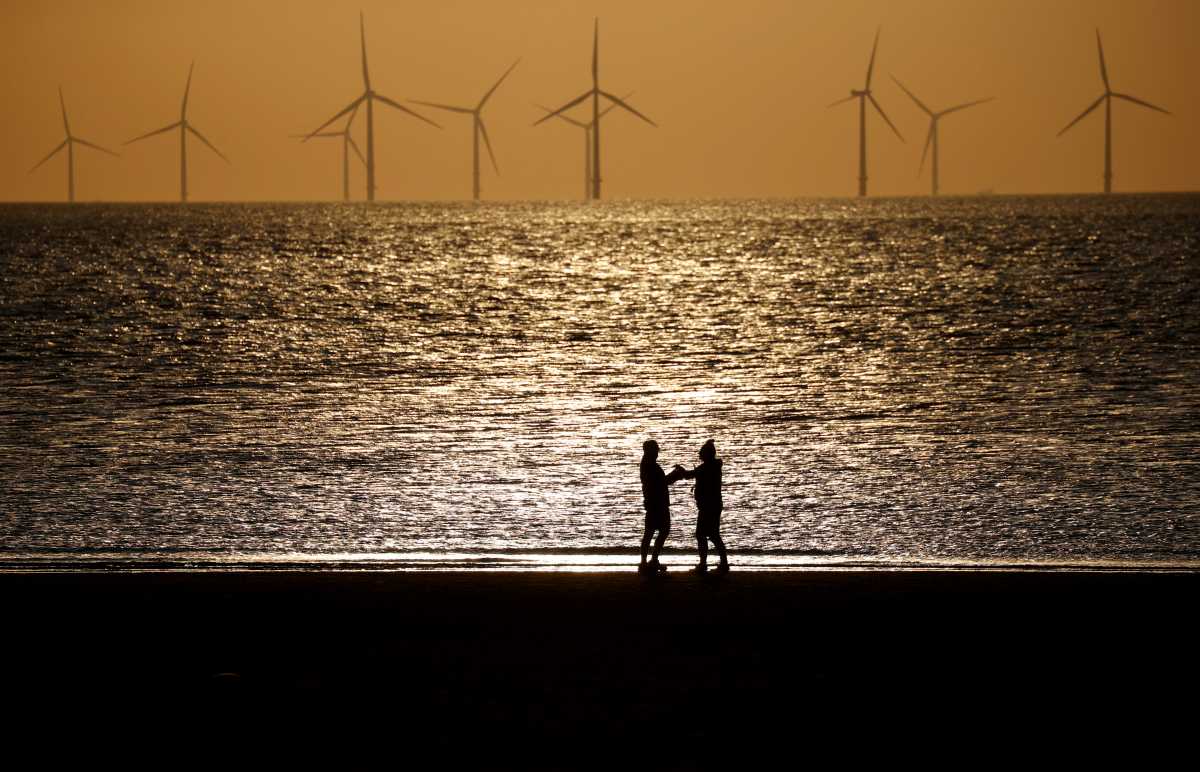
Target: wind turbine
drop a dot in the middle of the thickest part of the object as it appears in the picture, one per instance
(478, 128)
(370, 97)
(587, 143)
(1107, 98)
(348, 143)
(69, 143)
(862, 97)
(932, 137)
(595, 93)
(184, 127)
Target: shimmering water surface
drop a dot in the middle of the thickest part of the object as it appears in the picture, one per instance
(963, 381)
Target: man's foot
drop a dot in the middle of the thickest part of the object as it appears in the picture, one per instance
(722, 568)
(700, 569)
(643, 568)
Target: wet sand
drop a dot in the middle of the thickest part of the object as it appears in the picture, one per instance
(568, 669)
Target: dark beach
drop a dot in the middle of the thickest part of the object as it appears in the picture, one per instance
(532, 666)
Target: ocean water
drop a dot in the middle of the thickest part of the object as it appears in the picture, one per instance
(991, 380)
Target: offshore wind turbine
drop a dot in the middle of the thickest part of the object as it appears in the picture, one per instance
(932, 137)
(862, 96)
(348, 144)
(184, 127)
(69, 143)
(478, 128)
(1107, 98)
(587, 143)
(594, 94)
(369, 96)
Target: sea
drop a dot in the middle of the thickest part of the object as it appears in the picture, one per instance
(986, 381)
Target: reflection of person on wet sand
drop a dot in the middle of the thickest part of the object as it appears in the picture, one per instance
(708, 506)
(657, 500)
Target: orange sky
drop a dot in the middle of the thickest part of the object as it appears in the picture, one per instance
(739, 91)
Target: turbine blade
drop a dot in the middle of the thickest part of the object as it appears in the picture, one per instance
(357, 152)
(566, 118)
(622, 103)
(913, 96)
(884, 115)
(1082, 115)
(163, 130)
(488, 144)
(322, 134)
(1103, 68)
(607, 110)
(93, 146)
(52, 153)
(451, 108)
(871, 64)
(841, 101)
(352, 106)
(596, 54)
(200, 137)
(565, 107)
(1137, 101)
(403, 109)
(186, 90)
(353, 115)
(63, 103)
(362, 29)
(492, 90)
(956, 108)
(928, 142)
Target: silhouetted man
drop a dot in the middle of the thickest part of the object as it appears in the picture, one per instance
(708, 506)
(657, 500)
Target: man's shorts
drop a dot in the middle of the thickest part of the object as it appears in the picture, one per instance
(658, 521)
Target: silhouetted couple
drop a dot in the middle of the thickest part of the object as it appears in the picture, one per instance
(657, 499)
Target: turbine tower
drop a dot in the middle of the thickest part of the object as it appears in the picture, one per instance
(184, 127)
(370, 96)
(862, 96)
(587, 143)
(348, 144)
(594, 94)
(1107, 98)
(932, 137)
(478, 128)
(69, 143)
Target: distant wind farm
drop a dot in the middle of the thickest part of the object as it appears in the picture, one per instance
(586, 111)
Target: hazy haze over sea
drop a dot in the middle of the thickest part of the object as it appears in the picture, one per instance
(976, 380)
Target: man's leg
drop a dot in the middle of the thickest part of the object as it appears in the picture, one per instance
(646, 542)
(702, 545)
(659, 542)
(720, 545)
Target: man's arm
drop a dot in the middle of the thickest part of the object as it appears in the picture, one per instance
(679, 473)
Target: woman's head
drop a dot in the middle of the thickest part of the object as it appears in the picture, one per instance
(708, 451)
(650, 449)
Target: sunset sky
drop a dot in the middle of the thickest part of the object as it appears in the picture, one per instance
(739, 91)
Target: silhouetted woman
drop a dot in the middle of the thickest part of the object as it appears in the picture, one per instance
(708, 505)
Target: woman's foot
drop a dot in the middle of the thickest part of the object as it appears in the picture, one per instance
(722, 568)
(700, 569)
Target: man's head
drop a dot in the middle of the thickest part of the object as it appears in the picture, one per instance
(708, 451)
(650, 450)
